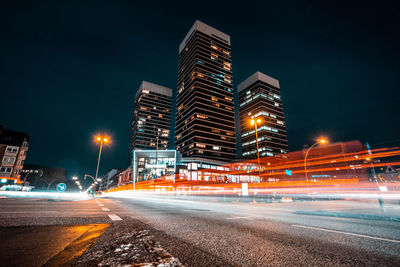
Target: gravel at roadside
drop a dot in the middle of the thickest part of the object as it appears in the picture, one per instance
(128, 243)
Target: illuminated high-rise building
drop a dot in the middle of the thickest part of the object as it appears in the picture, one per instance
(151, 118)
(260, 98)
(205, 126)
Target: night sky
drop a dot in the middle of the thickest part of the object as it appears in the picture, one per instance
(70, 69)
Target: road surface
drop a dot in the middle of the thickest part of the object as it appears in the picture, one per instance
(201, 233)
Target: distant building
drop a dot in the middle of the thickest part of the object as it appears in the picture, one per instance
(125, 176)
(13, 147)
(107, 179)
(151, 118)
(148, 165)
(260, 98)
(189, 168)
(205, 125)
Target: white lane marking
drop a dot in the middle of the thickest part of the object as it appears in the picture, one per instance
(114, 217)
(245, 217)
(347, 233)
(105, 209)
(101, 205)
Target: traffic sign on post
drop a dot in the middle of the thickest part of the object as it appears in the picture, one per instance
(61, 187)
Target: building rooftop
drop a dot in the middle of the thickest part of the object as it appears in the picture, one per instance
(204, 28)
(152, 87)
(258, 76)
(12, 138)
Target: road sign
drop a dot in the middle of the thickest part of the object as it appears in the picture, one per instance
(61, 187)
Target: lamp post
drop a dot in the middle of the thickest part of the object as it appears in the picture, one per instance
(320, 141)
(102, 140)
(255, 122)
(95, 180)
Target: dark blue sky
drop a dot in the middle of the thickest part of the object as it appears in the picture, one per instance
(69, 69)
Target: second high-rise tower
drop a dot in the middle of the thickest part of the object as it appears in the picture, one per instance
(205, 125)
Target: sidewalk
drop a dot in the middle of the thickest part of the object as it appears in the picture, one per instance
(46, 245)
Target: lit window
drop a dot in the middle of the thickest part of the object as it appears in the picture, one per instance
(201, 116)
(216, 148)
(145, 91)
(160, 115)
(201, 145)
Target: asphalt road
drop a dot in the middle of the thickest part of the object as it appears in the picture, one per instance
(252, 234)
(201, 233)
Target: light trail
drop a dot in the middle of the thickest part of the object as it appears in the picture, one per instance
(44, 195)
(332, 175)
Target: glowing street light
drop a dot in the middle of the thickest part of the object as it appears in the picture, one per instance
(74, 178)
(255, 122)
(101, 139)
(320, 141)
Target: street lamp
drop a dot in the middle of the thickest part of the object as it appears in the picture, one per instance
(255, 122)
(101, 139)
(94, 181)
(320, 141)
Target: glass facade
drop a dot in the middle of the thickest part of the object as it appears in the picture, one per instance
(151, 118)
(205, 124)
(259, 98)
(153, 164)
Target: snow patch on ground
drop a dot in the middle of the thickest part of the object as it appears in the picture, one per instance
(128, 244)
